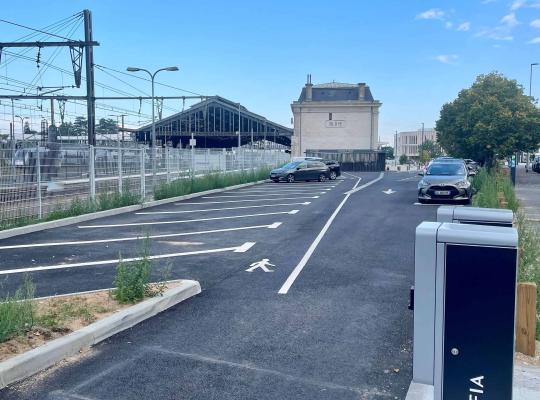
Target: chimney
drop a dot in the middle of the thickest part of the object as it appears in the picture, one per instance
(361, 91)
(309, 89)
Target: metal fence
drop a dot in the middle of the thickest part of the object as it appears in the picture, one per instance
(353, 160)
(36, 180)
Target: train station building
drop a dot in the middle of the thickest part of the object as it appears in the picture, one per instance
(335, 117)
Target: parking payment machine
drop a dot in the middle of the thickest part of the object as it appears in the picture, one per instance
(475, 215)
(464, 311)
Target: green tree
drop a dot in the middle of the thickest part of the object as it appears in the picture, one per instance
(492, 118)
(403, 159)
(106, 126)
(389, 150)
(80, 126)
(428, 150)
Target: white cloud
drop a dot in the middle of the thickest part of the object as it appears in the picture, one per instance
(517, 4)
(510, 20)
(536, 40)
(535, 23)
(446, 58)
(448, 24)
(464, 27)
(434, 13)
(499, 33)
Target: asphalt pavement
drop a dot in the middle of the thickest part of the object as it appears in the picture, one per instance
(339, 330)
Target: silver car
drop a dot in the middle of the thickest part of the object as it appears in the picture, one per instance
(446, 180)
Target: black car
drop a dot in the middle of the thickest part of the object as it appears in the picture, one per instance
(335, 168)
(536, 165)
(301, 171)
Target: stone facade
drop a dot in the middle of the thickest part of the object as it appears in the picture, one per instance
(335, 116)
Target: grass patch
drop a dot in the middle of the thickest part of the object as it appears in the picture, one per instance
(489, 185)
(104, 201)
(218, 180)
(17, 312)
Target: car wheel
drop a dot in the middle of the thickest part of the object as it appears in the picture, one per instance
(333, 175)
(290, 178)
(322, 177)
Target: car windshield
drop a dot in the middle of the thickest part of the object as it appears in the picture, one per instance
(291, 165)
(446, 169)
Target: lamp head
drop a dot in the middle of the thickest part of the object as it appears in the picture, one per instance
(133, 69)
(171, 69)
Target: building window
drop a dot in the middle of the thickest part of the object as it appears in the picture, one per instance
(330, 116)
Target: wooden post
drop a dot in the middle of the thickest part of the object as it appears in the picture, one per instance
(526, 319)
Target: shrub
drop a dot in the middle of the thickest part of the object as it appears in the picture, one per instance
(403, 159)
(217, 180)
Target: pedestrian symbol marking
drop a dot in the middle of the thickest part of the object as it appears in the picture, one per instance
(263, 264)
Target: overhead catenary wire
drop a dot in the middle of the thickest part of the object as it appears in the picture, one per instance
(33, 29)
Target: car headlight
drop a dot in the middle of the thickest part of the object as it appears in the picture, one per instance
(463, 184)
(423, 184)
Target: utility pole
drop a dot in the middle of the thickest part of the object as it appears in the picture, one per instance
(90, 96)
(52, 112)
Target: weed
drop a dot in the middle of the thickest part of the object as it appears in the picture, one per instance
(17, 312)
(132, 279)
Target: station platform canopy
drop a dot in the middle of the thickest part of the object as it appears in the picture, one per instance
(214, 123)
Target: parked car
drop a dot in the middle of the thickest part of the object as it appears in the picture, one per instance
(301, 171)
(471, 165)
(447, 181)
(335, 168)
(536, 164)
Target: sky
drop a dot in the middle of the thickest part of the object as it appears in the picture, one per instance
(414, 55)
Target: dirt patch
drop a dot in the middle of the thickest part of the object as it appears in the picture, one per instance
(58, 316)
(527, 360)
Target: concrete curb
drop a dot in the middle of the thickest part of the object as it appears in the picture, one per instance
(23, 230)
(40, 358)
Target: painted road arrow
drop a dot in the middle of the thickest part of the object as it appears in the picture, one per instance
(389, 191)
(237, 249)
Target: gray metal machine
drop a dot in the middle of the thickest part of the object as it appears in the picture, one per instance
(475, 215)
(464, 312)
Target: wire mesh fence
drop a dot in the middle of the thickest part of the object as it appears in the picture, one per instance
(37, 181)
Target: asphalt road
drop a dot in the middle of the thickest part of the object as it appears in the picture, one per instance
(329, 322)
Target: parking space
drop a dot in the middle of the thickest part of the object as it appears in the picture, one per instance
(200, 238)
(341, 329)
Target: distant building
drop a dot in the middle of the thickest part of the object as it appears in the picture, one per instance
(408, 143)
(335, 116)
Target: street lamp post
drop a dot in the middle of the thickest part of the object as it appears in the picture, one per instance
(153, 136)
(530, 95)
(22, 125)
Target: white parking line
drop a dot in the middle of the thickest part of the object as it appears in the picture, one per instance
(242, 201)
(168, 235)
(237, 249)
(305, 203)
(433, 204)
(284, 191)
(296, 271)
(185, 220)
(259, 195)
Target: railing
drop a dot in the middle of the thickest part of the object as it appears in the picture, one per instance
(36, 180)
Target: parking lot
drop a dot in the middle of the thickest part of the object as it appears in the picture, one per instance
(325, 318)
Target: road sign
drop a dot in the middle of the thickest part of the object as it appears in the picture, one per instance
(193, 142)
